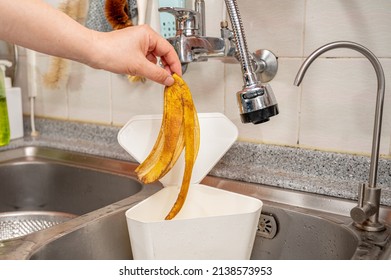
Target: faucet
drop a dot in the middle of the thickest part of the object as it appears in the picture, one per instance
(366, 214)
(256, 100)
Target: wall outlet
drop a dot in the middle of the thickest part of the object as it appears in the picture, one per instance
(167, 21)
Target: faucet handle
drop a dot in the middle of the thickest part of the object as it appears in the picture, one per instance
(265, 64)
(186, 20)
(366, 214)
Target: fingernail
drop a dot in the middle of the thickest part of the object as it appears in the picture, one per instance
(169, 81)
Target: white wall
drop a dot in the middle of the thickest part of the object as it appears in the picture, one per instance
(333, 109)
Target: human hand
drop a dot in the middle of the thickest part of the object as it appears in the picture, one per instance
(135, 51)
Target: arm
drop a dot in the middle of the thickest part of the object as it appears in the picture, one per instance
(36, 25)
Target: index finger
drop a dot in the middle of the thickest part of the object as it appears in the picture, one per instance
(162, 48)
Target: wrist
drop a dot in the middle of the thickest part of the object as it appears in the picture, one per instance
(91, 49)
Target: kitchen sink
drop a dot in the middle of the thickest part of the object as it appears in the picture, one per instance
(38, 183)
(299, 236)
(44, 180)
(293, 225)
(306, 226)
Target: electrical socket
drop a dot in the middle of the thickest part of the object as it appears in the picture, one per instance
(167, 21)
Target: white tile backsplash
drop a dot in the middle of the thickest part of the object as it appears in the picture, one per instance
(134, 98)
(89, 94)
(333, 109)
(49, 102)
(365, 22)
(274, 25)
(338, 105)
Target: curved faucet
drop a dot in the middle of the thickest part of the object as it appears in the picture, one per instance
(256, 100)
(366, 214)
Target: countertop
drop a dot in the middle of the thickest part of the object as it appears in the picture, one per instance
(326, 173)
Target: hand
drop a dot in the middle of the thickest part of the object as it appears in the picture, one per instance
(135, 51)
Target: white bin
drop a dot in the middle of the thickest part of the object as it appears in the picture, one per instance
(213, 223)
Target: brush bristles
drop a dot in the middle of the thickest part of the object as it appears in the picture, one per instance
(58, 73)
(117, 14)
(59, 68)
(135, 79)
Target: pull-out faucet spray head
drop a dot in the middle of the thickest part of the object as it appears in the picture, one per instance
(256, 100)
(257, 103)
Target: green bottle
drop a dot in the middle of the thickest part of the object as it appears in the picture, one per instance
(4, 122)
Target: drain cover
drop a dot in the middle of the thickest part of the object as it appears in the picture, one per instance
(17, 224)
(267, 226)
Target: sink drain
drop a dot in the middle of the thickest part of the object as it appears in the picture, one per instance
(267, 226)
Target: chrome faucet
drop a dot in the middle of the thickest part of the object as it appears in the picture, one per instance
(366, 214)
(256, 100)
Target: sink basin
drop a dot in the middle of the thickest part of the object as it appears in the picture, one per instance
(49, 180)
(293, 225)
(37, 182)
(303, 236)
(300, 236)
(303, 226)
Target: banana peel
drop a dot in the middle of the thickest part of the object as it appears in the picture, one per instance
(158, 161)
(192, 144)
(179, 131)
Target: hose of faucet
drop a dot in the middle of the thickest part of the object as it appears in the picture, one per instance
(249, 76)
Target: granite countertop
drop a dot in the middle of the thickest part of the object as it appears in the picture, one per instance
(326, 173)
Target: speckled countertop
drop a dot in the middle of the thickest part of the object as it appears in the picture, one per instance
(319, 172)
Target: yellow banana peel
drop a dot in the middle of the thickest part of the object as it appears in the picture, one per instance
(168, 138)
(179, 130)
(192, 143)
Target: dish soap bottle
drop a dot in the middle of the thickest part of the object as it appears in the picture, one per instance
(4, 122)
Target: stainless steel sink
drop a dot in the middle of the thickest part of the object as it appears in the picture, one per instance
(51, 180)
(97, 190)
(293, 225)
(298, 225)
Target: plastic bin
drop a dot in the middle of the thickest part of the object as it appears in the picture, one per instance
(213, 223)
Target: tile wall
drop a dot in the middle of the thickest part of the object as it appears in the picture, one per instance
(332, 110)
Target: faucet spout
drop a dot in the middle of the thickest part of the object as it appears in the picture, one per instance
(366, 214)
